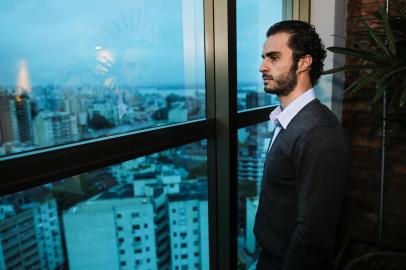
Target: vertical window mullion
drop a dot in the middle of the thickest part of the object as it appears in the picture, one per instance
(222, 104)
(211, 142)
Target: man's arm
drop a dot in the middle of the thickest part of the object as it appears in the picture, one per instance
(322, 163)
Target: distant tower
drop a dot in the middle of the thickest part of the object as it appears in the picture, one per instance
(24, 120)
(22, 103)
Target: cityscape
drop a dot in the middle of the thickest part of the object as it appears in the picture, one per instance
(148, 213)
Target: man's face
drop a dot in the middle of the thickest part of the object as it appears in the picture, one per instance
(277, 68)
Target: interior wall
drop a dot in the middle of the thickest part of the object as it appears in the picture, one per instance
(328, 16)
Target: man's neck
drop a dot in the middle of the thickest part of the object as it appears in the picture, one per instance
(294, 94)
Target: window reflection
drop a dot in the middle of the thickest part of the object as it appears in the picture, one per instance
(147, 213)
(77, 70)
(253, 20)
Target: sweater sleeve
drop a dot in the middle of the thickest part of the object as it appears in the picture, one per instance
(322, 162)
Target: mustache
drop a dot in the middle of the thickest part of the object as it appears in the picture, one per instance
(267, 77)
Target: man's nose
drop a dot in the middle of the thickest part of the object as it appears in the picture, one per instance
(262, 67)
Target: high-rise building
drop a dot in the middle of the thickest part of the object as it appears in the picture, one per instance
(8, 119)
(30, 236)
(23, 113)
(54, 128)
(188, 223)
(129, 229)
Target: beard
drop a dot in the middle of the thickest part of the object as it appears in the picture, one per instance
(283, 84)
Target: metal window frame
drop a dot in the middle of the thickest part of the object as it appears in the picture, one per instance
(22, 171)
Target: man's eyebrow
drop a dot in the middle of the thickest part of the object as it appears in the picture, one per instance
(270, 54)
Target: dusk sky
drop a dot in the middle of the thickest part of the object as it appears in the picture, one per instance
(54, 35)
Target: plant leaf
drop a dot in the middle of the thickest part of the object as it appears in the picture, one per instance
(358, 54)
(350, 40)
(349, 67)
(380, 89)
(390, 74)
(388, 33)
(376, 38)
(361, 82)
(402, 98)
(400, 8)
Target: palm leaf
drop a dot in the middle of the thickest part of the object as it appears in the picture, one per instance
(402, 98)
(348, 67)
(400, 8)
(358, 54)
(376, 38)
(388, 33)
(362, 82)
(390, 74)
(380, 90)
(350, 40)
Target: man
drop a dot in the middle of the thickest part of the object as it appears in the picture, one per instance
(308, 159)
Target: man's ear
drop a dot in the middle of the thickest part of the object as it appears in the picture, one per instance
(304, 63)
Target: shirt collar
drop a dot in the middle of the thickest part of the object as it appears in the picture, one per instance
(283, 117)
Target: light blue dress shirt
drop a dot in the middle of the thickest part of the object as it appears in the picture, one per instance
(282, 117)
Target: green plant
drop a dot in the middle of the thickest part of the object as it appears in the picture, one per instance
(384, 61)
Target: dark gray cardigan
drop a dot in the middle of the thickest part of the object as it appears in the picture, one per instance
(302, 192)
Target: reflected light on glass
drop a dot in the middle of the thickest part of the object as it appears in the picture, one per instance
(23, 79)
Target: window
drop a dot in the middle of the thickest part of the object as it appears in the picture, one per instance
(86, 106)
(122, 187)
(137, 239)
(133, 67)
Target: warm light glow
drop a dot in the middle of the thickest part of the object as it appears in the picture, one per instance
(18, 98)
(104, 56)
(23, 79)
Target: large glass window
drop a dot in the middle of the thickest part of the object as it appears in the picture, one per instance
(74, 71)
(147, 213)
(77, 70)
(253, 143)
(253, 20)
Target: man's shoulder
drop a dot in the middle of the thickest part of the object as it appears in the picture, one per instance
(314, 124)
(313, 118)
(313, 115)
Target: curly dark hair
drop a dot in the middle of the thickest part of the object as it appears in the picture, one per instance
(303, 41)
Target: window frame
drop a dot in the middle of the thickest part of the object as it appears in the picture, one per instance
(26, 170)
